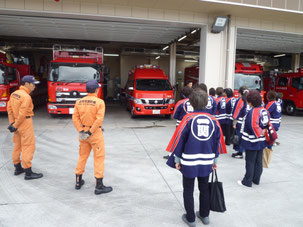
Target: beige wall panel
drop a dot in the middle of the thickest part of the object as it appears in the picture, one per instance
(301, 5)
(15, 4)
(237, 1)
(299, 28)
(144, 3)
(122, 2)
(278, 4)
(265, 24)
(156, 14)
(279, 26)
(34, 4)
(123, 11)
(71, 7)
(140, 12)
(186, 16)
(252, 2)
(51, 5)
(89, 8)
(2, 3)
(106, 9)
(293, 4)
(254, 23)
(290, 28)
(200, 18)
(242, 22)
(264, 3)
(171, 15)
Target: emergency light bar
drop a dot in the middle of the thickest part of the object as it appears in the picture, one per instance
(148, 67)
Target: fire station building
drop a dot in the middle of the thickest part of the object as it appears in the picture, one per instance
(175, 34)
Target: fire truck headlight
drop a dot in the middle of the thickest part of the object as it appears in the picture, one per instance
(171, 101)
(52, 107)
(2, 104)
(137, 101)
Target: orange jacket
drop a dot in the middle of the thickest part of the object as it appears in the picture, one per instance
(89, 113)
(20, 106)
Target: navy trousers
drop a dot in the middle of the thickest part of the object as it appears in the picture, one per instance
(188, 197)
(254, 168)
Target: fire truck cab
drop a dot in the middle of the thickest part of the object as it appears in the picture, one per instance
(69, 71)
(148, 92)
(290, 85)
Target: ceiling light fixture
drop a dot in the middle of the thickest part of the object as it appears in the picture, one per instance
(194, 31)
(111, 55)
(182, 38)
(165, 48)
(193, 61)
(157, 57)
(279, 55)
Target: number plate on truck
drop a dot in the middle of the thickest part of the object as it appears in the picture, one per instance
(156, 111)
(71, 110)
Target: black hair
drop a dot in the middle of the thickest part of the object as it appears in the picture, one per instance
(219, 91)
(91, 90)
(186, 91)
(198, 99)
(271, 96)
(229, 92)
(203, 87)
(254, 98)
(187, 82)
(23, 83)
(244, 92)
(212, 91)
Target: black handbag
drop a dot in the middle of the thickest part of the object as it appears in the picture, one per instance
(216, 194)
(235, 138)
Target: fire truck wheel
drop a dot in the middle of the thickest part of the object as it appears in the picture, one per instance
(132, 114)
(290, 108)
(167, 116)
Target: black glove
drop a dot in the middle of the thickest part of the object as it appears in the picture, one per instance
(11, 128)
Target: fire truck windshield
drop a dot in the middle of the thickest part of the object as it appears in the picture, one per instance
(251, 81)
(73, 73)
(153, 85)
(2, 76)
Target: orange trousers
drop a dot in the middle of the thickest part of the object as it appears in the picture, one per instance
(95, 142)
(24, 139)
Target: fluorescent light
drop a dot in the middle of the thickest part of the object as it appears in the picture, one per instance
(165, 48)
(157, 57)
(194, 31)
(111, 55)
(191, 61)
(182, 38)
(279, 55)
(2, 51)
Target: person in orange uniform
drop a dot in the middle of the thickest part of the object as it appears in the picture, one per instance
(87, 118)
(20, 113)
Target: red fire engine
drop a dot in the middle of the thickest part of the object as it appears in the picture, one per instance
(246, 74)
(290, 85)
(148, 92)
(69, 71)
(10, 79)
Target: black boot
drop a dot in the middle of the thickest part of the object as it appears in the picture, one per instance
(18, 169)
(101, 188)
(79, 182)
(30, 175)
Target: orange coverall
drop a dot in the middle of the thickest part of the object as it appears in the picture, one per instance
(88, 115)
(20, 111)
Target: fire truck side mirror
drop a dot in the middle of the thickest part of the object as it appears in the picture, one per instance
(130, 88)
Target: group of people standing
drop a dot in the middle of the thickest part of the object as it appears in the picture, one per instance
(207, 121)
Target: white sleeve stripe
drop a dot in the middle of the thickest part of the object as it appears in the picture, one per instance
(198, 162)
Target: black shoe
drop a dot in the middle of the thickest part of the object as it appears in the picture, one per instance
(79, 182)
(237, 155)
(30, 175)
(18, 169)
(166, 157)
(101, 188)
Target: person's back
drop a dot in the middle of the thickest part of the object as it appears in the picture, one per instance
(275, 109)
(183, 106)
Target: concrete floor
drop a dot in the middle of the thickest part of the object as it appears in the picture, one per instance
(146, 191)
